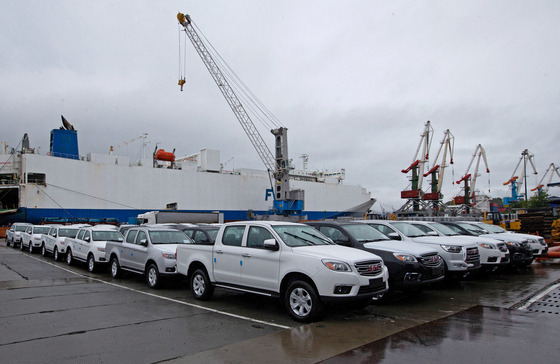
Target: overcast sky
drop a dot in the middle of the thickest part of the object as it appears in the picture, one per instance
(353, 81)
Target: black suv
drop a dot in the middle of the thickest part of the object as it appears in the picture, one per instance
(411, 266)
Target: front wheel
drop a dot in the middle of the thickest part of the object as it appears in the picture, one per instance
(55, 254)
(302, 302)
(69, 257)
(21, 245)
(91, 263)
(43, 250)
(201, 287)
(31, 247)
(152, 276)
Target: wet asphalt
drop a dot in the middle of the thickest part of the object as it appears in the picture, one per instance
(54, 313)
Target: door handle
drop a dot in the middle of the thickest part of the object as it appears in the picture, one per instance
(246, 255)
(219, 252)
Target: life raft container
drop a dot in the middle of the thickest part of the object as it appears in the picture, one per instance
(162, 155)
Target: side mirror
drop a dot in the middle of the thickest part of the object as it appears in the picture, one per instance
(144, 242)
(394, 236)
(86, 239)
(432, 233)
(271, 244)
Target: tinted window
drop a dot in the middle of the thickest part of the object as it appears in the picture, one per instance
(331, 232)
(201, 238)
(256, 237)
(233, 235)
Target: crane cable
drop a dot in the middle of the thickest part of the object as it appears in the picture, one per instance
(182, 71)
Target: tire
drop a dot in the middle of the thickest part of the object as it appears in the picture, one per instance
(21, 245)
(91, 263)
(43, 250)
(56, 256)
(201, 287)
(7, 242)
(69, 257)
(302, 302)
(152, 276)
(115, 268)
(31, 250)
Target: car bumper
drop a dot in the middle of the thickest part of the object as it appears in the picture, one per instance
(342, 286)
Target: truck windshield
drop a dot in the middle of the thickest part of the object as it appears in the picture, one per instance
(295, 235)
(408, 230)
(67, 233)
(110, 235)
(364, 233)
(444, 229)
(21, 227)
(41, 229)
(169, 237)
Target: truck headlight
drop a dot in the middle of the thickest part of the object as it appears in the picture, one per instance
(487, 245)
(405, 257)
(337, 266)
(512, 243)
(169, 255)
(452, 248)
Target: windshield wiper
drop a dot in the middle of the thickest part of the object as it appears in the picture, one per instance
(316, 236)
(309, 242)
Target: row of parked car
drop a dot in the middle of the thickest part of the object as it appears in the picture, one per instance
(395, 255)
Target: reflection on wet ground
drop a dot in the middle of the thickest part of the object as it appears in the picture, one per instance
(477, 335)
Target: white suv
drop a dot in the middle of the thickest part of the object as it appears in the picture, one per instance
(89, 245)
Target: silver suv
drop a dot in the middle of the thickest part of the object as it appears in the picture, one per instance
(146, 250)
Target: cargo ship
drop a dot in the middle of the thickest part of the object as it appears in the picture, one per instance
(64, 184)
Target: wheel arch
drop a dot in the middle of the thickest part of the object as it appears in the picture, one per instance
(296, 276)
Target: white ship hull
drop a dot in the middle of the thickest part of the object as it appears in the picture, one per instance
(107, 186)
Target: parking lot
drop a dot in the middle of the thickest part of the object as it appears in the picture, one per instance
(52, 312)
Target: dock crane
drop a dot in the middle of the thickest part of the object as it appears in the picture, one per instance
(469, 198)
(415, 194)
(544, 187)
(515, 181)
(286, 201)
(437, 170)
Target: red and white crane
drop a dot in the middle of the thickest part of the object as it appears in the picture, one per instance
(469, 197)
(414, 195)
(438, 168)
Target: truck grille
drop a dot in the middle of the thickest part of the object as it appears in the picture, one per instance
(525, 245)
(370, 268)
(431, 260)
(473, 257)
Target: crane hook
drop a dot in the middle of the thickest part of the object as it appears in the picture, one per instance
(181, 83)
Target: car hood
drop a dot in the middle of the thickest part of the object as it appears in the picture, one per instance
(506, 237)
(338, 252)
(394, 246)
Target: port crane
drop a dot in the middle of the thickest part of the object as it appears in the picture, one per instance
(551, 169)
(415, 194)
(286, 201)
(515, 181)
(447, 145)
(469, 198)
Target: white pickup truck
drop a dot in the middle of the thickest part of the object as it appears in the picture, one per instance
(291, 261)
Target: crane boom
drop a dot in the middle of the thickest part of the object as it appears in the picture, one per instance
(235, 104)
(285, 201)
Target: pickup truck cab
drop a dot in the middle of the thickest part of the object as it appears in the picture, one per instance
(291, 261)
(146, 250)
(31, 237)
(13, 234)
(89, 245)
(460, 257)
(54, 242)
(411, 266)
